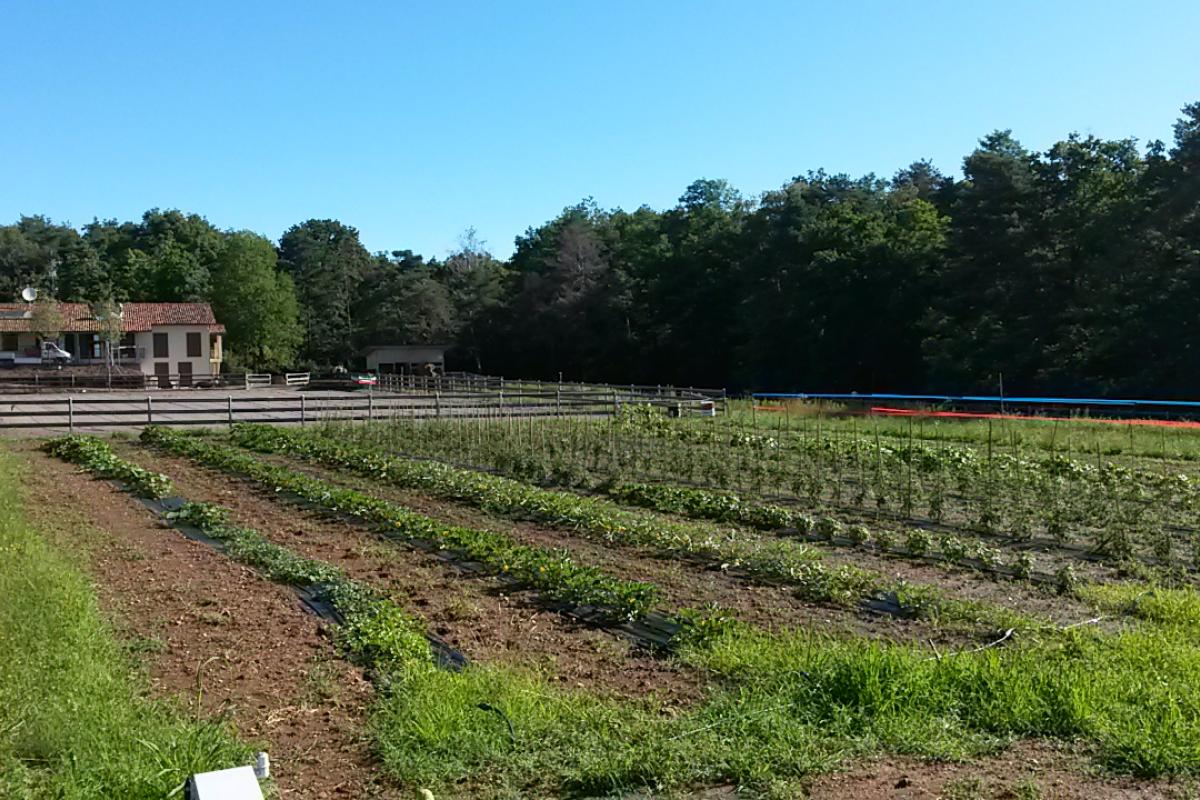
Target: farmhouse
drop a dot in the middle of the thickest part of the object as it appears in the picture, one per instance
(406, 359)
(181, 339)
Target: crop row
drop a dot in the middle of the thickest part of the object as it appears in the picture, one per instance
(778, 561)
(97, 457)
(374, 630)
(552, 572)
(917, 543)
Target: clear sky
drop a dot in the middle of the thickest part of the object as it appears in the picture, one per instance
(414, 121)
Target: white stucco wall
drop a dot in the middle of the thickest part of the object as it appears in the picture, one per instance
(176, 349)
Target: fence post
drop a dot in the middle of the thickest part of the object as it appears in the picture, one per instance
(437, 403)
(370, 405)
(302, 410)
(149, 411)
(229, 406)
(558, 401)
(71, 414)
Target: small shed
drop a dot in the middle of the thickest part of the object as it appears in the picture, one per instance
(406, 359)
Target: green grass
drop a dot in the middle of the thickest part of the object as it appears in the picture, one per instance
(782, 707)
(1176, 609)
(74, 721)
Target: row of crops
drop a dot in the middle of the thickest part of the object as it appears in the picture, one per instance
(779, 705)
(781, 561)
(1053, 499)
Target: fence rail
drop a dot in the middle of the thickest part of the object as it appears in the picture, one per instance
(205, 409)
(55, 381)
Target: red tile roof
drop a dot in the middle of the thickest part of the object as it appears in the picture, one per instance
(134, 317)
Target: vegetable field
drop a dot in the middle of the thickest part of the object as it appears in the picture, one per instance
(743, 606)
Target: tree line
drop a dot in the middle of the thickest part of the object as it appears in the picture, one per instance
(1073, 270)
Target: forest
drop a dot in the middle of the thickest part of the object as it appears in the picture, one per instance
(1073, 270)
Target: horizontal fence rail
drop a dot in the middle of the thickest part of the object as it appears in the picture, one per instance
(206, 409)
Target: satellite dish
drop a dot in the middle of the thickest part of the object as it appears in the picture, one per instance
(29, 294)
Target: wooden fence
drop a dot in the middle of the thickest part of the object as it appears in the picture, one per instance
(207, 409)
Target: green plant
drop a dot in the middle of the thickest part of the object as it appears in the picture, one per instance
(828, 527)
(918, 542)
(858, 534)
(96, 456)
(1022, 565)
(953, 548)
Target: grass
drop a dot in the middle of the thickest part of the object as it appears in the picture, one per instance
(782, 707)
(74, 720)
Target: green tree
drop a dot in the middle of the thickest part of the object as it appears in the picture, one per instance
(327, 263)
(256, 303)
(45, 318)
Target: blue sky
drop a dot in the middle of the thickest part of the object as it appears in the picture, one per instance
(414, 121)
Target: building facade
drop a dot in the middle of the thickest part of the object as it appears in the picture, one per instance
(403, 359)
(182, 341)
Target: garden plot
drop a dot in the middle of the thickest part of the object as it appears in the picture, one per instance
(998, 503)
(743, 701)
(476, 614)
(690, 583)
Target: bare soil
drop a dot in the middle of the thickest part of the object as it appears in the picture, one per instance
(214, 636)
(1028, 770)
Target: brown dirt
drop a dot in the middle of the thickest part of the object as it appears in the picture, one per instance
(684, 584)
(477, 615)
(215, 636)
(1025, 771)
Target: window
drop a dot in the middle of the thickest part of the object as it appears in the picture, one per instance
(161, 350)
(193, 345)
(128, 339)
(69, 345)
(162, 372)
(185, 373)
(8, 342)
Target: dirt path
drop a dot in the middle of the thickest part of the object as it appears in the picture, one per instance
(215, 636)
(477, 615)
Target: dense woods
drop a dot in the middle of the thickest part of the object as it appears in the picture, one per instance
(1073, 270)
